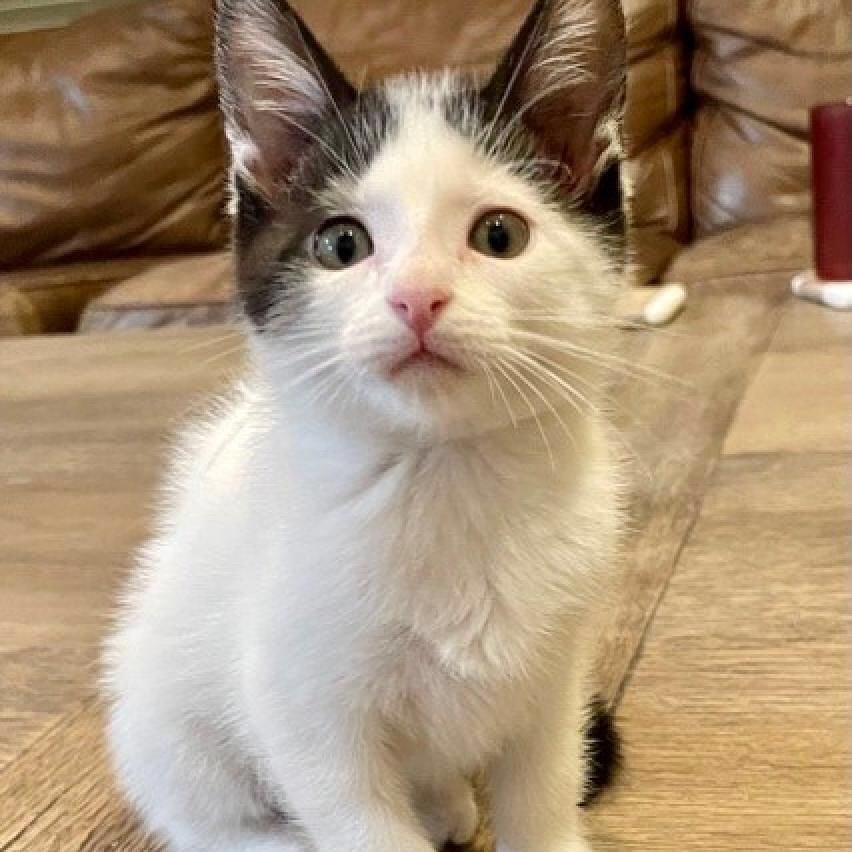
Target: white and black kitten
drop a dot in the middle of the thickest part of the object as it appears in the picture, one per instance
(382, 563)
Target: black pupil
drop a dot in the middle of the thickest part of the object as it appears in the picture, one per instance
(499, 238)
(346, 246)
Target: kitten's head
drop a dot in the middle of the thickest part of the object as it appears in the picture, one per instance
(427, 253)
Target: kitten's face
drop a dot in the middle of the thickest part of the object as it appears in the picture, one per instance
(421, 262)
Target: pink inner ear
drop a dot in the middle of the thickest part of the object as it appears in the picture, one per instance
(581, 163)
(568, 71)
(278, 93)
(276, 84)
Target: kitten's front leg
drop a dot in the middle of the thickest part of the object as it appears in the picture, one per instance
(342, 785)
(535, 786)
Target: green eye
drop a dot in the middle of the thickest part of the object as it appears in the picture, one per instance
(500, 233)
(341, 243)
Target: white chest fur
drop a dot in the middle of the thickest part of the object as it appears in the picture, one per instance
(433, 583)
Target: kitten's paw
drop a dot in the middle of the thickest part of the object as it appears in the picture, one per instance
(451, 817)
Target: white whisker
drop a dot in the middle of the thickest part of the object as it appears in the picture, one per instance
(576, 397)
(548, 404)
(509, 410)
(611, 362)
(218, 357)
(212, 342)
(503, 366)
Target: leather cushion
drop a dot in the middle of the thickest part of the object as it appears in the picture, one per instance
(194, 290)
(110, 142)
(658, 161)
(656, 91)
(758, 68)
(374, 38)
(781, 246)
(57, 294)
(650, 22)
(18, 315)
(659, 203)
(745, 170)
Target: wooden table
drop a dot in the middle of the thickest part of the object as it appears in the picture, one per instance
(734, 708)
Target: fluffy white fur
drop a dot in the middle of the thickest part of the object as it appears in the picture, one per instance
(364, 589)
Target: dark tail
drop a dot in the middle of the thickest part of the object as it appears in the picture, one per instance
(603, 750)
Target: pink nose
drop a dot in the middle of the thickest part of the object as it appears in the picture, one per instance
(419, 308)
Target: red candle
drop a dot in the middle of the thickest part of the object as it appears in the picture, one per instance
(831, 165)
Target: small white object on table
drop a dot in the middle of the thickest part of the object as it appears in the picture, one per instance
(832, 294)
(652, 306)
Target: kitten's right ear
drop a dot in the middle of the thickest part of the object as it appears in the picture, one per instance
(276, 85)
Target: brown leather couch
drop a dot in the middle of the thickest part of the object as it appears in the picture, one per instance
(112, 160)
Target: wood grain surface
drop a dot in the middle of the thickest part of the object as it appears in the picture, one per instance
(735, 704)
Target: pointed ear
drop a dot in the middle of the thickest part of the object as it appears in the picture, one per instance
(276, 85)
(564, 77)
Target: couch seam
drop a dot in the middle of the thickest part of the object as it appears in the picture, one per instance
(153, 306)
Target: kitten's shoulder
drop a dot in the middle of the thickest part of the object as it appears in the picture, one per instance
(212, 448)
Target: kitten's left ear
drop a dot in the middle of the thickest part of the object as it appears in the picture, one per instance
(565, 76)
(276, 86)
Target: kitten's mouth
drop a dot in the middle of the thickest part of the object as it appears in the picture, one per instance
(424, 359)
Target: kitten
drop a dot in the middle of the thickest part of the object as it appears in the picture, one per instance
(383, 561)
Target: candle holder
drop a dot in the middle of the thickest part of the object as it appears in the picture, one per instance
(830, 283)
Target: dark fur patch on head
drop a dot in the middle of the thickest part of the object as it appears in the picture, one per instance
(556, 100)
(295, 124)
(272, 238)
(603, 750)
(606, 203)
(476, 114)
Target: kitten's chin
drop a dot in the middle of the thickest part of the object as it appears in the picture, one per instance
(436, 401)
